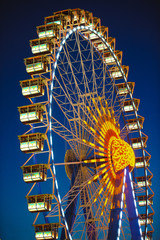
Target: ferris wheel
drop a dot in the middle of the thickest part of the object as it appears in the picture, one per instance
(82, 102)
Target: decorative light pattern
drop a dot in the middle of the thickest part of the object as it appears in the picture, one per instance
(122, 154)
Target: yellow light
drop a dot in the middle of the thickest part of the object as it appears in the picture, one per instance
(103, 165)
(106, 182)
(101, 149)
(104, 177)
(96, 177)
(101, 159)
(102, 134)
(100, 191)
(95, 160)
(100, 154)
(109, 113)
(101, 139)
(93, 130)
(104, 170)
(92, 114)
(92, 144)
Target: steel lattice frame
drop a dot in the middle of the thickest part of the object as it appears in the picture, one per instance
(61, 80)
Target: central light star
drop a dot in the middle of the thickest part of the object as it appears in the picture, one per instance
(121, 153)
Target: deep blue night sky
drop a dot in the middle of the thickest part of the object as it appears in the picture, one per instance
(135, 25)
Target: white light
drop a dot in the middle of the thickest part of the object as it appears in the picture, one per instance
(124, 179)
(133, 194)
(53, 74)
(56, 183)
(132, 185)
(52, 86)
(62, 211)
(120, 223)
(121, 204)
(123, 188)
(50, 112)
(122, 197)
(57, 55)
(51, 98)
(59, 198)
(136, 212)
(55, 64)
(140, 231)
(63, 41)
(54, 170)
(118, 232)
(66, 225)
(51, 139)
(120, 215)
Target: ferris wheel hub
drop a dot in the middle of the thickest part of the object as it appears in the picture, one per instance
(122, 154)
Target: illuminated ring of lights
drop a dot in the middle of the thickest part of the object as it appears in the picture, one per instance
(50, 126)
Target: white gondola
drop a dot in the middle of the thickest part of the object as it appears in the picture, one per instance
(35, 173)
(40, 48)
(46, 231)
(32, 87)
(39, 203)
(32, 142)
(31, 113)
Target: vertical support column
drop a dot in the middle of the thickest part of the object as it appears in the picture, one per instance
(117, 205)
(132, 209)
(71, 210)
(89, 221)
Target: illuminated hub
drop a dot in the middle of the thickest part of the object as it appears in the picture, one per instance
(122, 155)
